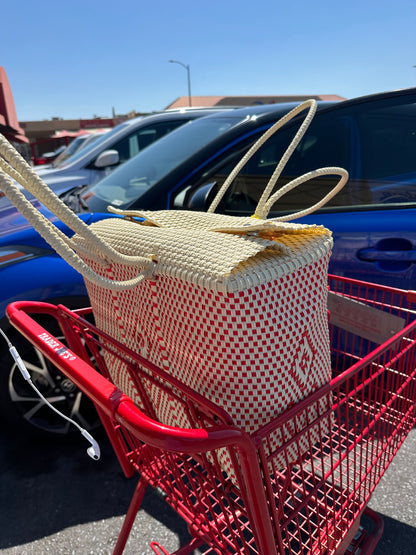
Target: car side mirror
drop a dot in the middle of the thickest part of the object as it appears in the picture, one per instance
(201, 199)
(107, 158)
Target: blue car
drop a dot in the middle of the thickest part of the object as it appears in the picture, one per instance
(372, 218)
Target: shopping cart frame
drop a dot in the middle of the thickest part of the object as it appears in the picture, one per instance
(278, 513)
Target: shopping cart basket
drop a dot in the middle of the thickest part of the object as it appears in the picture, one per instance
(313, 505)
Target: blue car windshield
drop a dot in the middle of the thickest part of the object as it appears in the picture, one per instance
(128, 182)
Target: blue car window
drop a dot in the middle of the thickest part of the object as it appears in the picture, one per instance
(138, 175)
(317, 149)
(375, 142)
(388, 154)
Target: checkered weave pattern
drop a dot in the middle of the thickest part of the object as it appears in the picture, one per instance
(246, 329)
(233, 307)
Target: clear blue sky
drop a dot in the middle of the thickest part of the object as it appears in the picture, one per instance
(81, 58)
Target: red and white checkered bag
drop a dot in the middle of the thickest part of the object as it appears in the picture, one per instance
(248, 331)
(235, 308)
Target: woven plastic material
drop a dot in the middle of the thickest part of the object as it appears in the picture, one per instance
(240, 318)
(236, 308)
(313, 506)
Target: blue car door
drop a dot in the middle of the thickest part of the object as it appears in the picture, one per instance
(376, 246)
(373, 219)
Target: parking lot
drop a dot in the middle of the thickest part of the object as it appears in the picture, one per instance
(234, 311)
(55, 499)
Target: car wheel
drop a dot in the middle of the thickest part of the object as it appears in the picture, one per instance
(20, 406)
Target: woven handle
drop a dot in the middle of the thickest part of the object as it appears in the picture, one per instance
(266, 201)
(12, 165)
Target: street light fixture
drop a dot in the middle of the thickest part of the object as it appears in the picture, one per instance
(189, 78)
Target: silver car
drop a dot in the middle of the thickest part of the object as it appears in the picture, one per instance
(95, 161)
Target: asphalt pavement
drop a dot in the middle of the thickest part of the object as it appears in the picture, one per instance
(55, 500)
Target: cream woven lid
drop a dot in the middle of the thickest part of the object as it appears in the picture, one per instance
(187, 219)
(221, 253)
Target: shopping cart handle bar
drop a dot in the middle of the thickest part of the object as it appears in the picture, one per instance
(185, 440)
(119, 406)
(109, 398)
(94, 385)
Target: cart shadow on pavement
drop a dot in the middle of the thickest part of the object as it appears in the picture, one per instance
(398, 538)
(46, 488)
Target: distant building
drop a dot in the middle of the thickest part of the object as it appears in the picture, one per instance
(48, 135)
(59, 128)
(206, 101)
(9, 125)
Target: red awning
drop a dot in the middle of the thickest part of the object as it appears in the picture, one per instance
(62, 134)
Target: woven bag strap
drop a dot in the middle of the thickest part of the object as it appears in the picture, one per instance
(267, 200)
(14, 167)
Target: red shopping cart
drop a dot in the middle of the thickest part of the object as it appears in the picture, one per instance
(345, 434)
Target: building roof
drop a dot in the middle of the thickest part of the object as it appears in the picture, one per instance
(206, 101)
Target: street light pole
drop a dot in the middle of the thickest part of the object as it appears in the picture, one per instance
(189, 78)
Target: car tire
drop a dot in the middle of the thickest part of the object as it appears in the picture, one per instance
(20, 407)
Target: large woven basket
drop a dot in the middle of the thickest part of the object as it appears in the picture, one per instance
(241, 319)
(235, 308)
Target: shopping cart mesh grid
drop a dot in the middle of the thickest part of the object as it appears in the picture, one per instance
(312, 505)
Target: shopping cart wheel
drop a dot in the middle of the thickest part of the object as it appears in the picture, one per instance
(23, 410)
(368, 535)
